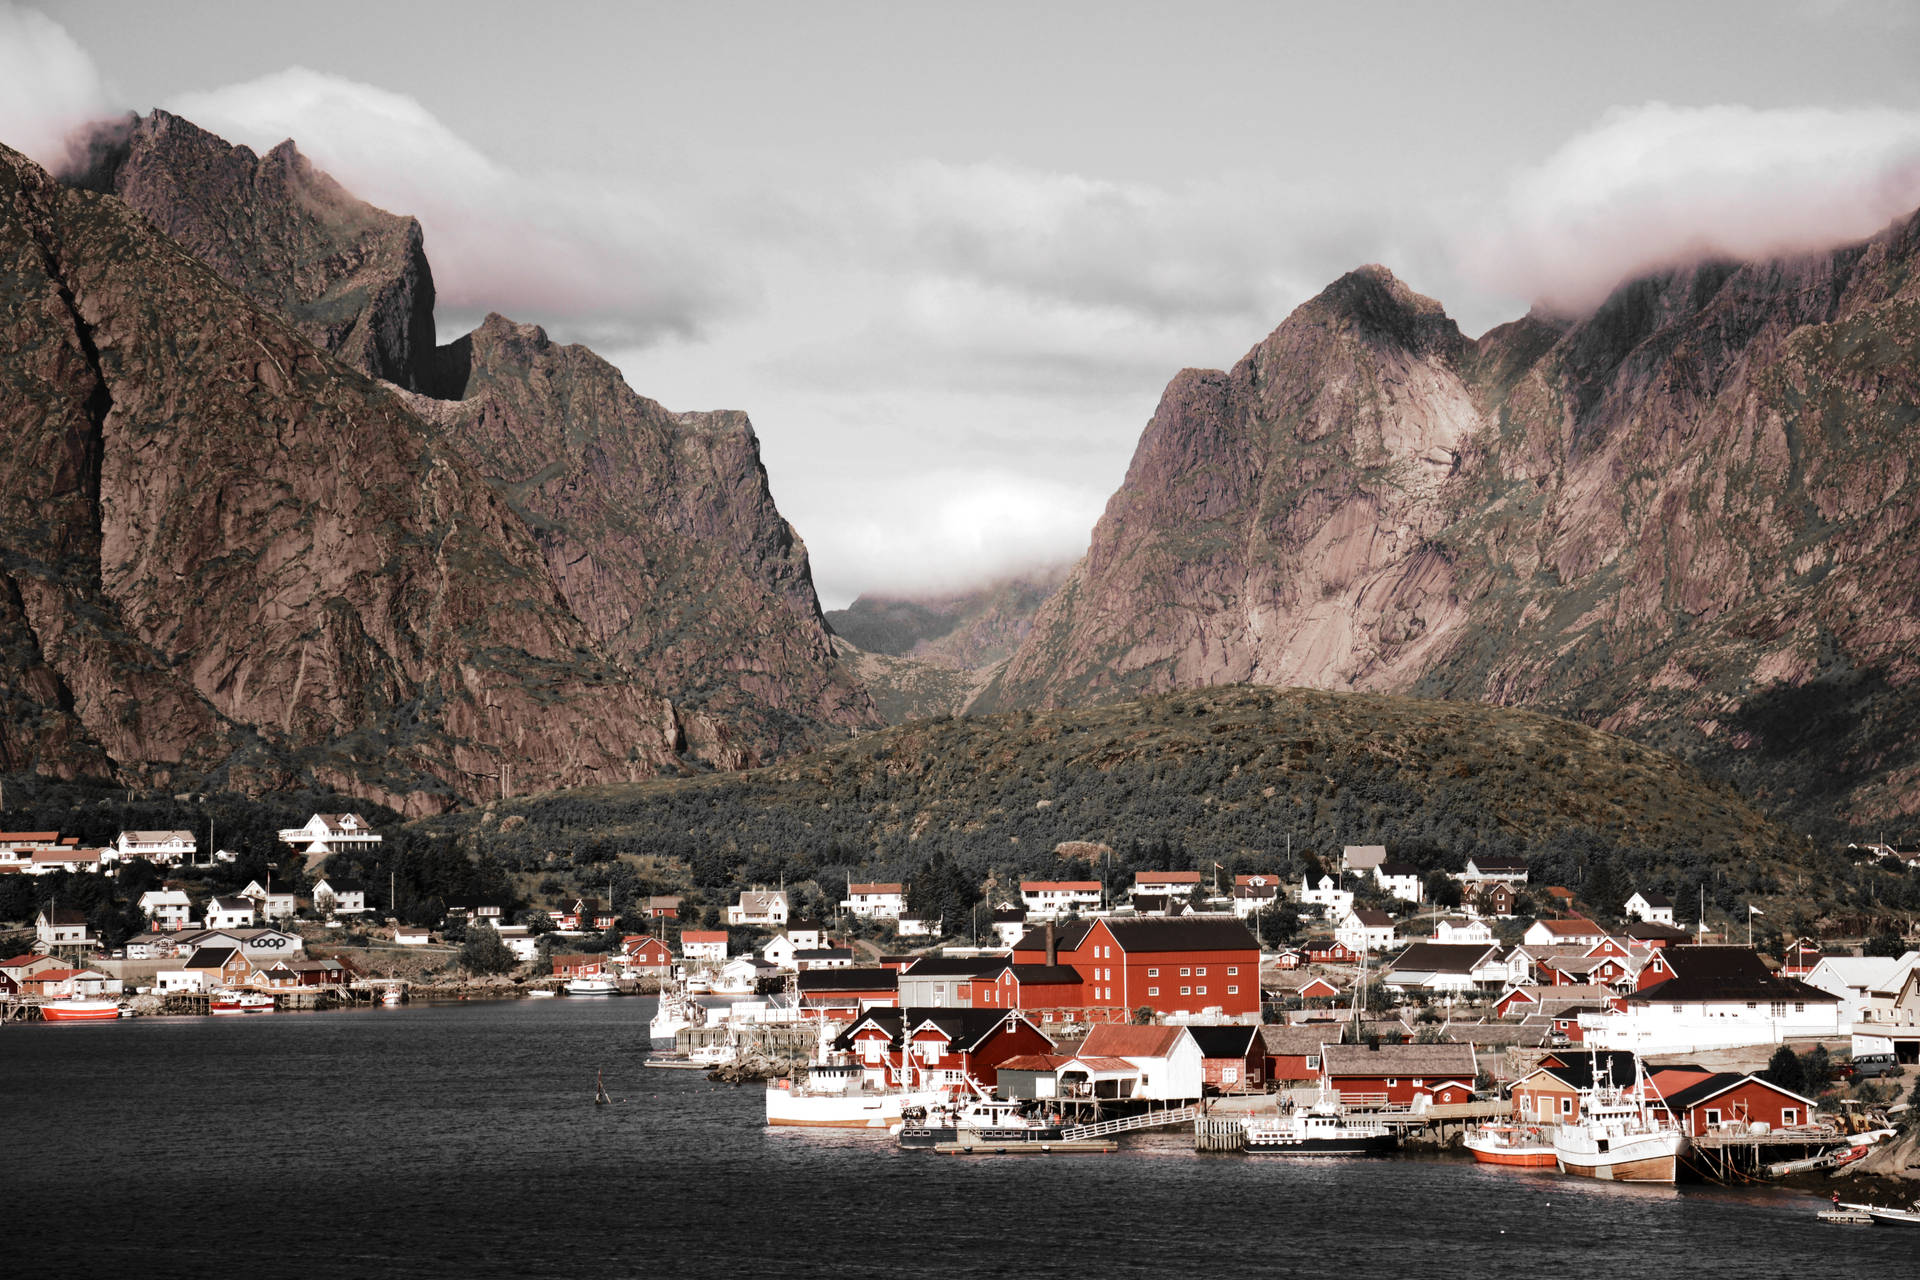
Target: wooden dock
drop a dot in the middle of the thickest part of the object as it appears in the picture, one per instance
(1057, 1147)
(1212, 1133)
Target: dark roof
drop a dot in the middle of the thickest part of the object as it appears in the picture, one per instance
(1009, 915)
(1724, 973)
(1297, 1041)
(1719, 1082)
(1224, 1042)
(795, 926)
(1653, 899)
(1370, 918)
(1577, 1068)
(847, 980)
(217, 957)
(1187, 933)
(1430, 1061)
(1045, 975)
(63, 915)
(1498, 864)
(341, 884)
(1391, 868)
(822, 953)
(1652, 931)
(1065, 936)
(964, 1028)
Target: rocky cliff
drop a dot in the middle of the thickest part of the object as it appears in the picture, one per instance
(660, 533)
(230, 559)
(352, 278)
(656, 532)
(1687, 517)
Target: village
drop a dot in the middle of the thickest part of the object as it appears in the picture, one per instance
(1079, 1007)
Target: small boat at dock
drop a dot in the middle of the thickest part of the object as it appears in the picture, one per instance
(80, 1010)
(592, 985)
(1320, 1129)
(228, 1002)
(1518, 1146)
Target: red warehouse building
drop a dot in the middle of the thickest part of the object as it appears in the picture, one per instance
(1399, 1074)
(1183, 965)
(945, 1047)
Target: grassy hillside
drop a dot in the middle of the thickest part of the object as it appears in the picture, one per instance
(1186, 780)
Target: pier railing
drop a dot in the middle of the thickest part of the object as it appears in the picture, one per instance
(1130, 1124)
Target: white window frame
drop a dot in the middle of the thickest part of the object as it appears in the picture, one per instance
(1233, 990)
(1152, 991)
(1186, 991)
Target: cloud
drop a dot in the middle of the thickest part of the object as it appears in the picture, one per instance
(48, 85)
(1657, 186)
(949, 530)
(595, 260)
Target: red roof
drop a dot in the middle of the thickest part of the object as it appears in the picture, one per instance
(61, 975)
(1571, 926)
(703, 935)
(857, 889)
(6, 836)
(1076, 886)
(29, 958)
(1166, 877)
(1034, 1062)
(1113, 1040)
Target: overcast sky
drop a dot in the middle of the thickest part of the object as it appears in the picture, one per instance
(947, 256)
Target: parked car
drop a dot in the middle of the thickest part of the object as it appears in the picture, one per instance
(1870, 1066)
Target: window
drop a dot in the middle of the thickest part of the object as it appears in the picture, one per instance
(1229, 1075)
(1313, 1062)
(1233, 971)
(1799, 1006)
(1199, 991)
(1153, 973)
(1153, 991)
(1392, 1081)
(1233, 991)
(1201, 972)
(1789, 1115)
(1186, 991)
(1417, 1082)
(1713, 1116)
(1779, 1008)
(1566, 1106)
(1186, 973)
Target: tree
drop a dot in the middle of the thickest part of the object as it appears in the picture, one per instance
(1816, 1071)
(1884, 944)
(1443, 891)
(484, 952)
(1784, 1069)
(323, 904)
(1143, 1016)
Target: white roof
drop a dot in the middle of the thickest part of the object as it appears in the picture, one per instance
(1865, 973)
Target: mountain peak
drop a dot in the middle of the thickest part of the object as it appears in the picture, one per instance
(1382, 308)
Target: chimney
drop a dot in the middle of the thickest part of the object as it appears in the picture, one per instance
(1053, 947)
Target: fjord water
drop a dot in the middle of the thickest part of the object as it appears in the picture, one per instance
(462, 1140)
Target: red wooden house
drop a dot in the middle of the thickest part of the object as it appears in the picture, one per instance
(1331, 951)
(577, 966)
(1233, 1059)
(1293, 1053)
(939, 1048)
(1727, 1099)
(1318, 989)
(1044, 992)
(1171, 965)
(583, 914)
(647, 954)
(1399, 1074)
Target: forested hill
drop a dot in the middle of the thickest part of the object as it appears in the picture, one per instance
(1186, 780)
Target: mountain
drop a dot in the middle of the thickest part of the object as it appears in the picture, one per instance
(234, 559)
(1687, 517)
(930, 655)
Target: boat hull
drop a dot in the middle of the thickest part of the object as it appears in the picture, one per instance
(80, 1011)
(1650, 1168)
(219, 1010)
(1498, 1148)
(1366, 1145)
(926, 1137)
(788, 1107)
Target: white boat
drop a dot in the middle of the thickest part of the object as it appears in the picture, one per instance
(983, 1120)
(1322, 1129)
(542, 993)
(677, 1012)
(1521, 1146)
(834, 1093)
(699, 986)
(592, 986)
(227, 1002)
(1617, 1138)
(1892, 1217)
(392, 997)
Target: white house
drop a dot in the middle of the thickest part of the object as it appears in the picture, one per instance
(331, 833)
(168, 910)
(1400, 880)
(1453, 967)
(778, 951)
(1852, 980)
(1650, 907)
(230, 913)
(150, 946)
(269, 903)
(1572, 931)
(1168, 1059)
(706, 946)
(166, 848)
(167, 980)
(1462, 929)
(875, 901)
(822, 958)
(1052, 899)
(1009, 926)
(520, 941)
(61, 928)
(1362, 857)
(1165, 884)
(349, 896)
(1512, 871)
(761, 907)
(912, 926)
(1364, 929)
(412, 935)
(271, 944)
(72, 859)
(1253, 894)
(1326, 894)
(1719, 997)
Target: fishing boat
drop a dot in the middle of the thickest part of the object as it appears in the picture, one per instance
(834, 1092)
(983, 1120)
(1521, 1146)
(541, 993)
(592, 985)
(1319, 1129)
(1617, 1138)
(677, 1011)
(80, 1010)
(227, 1002)
(1892, 1217)
(392, 997)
